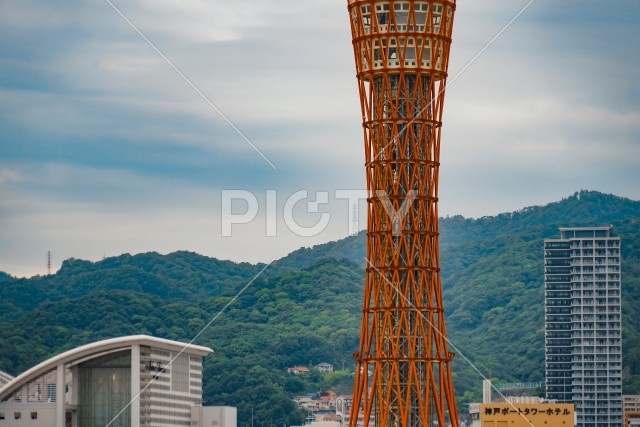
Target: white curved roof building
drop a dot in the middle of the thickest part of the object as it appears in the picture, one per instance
(133, 381)
(4, 378)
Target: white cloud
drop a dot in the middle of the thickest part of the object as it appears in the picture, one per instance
(198, 21)
(9, 176)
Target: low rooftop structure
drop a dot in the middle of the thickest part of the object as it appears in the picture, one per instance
(298, 370)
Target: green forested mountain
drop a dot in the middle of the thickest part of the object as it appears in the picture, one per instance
(306, 307)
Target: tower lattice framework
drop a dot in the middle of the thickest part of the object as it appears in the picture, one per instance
(404, 377)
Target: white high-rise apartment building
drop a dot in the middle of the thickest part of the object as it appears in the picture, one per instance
(583, 343)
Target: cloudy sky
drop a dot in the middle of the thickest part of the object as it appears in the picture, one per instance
(131, 126)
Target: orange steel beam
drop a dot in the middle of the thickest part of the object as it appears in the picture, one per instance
(401, 50)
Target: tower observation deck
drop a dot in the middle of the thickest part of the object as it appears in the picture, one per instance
(401, 51)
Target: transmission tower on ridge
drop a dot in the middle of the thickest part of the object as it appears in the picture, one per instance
(401, 50)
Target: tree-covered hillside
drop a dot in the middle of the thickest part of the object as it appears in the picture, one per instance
(493, 285)
(305, 308)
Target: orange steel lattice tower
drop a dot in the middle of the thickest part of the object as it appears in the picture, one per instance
(401, 49)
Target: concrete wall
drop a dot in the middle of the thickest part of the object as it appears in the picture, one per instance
(45, 413)
(214, 416)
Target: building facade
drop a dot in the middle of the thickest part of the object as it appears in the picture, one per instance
(134, 381)
(324, 367)
(631, 403)
(583, 347)
(631, 409)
